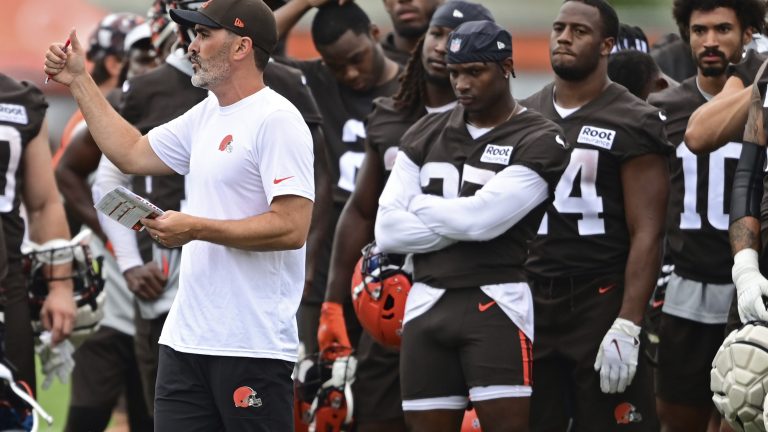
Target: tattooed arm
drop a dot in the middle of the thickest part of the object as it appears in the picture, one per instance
(744, 230)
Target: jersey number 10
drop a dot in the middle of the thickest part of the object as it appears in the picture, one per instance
(716, 214)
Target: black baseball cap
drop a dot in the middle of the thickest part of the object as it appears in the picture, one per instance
(248, 18)
(478, 41)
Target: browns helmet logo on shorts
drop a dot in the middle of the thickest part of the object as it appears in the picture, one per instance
(245, 397)
(626, 413)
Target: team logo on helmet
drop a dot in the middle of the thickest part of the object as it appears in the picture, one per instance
(245, 397)
(626, 413)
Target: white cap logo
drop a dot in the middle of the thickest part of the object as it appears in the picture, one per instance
(500, 45)
(455, 45)
(457, 14)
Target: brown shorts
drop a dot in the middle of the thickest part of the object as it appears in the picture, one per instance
(457, 345)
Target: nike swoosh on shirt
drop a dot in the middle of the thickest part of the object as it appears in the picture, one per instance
(278, 181)
(484, 307)
(605, 289)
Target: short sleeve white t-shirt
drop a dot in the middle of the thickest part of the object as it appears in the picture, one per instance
(237, 159)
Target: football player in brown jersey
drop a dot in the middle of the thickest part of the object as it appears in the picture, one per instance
(27, 178)
(424, 88)
(595, 260)
(466, 193)
(700, 290)
(410, 20)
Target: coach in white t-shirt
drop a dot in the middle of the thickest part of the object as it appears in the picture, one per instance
(230, 340)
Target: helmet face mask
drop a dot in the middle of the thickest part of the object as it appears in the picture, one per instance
(323, 390)
(380, 287)
(18, 409)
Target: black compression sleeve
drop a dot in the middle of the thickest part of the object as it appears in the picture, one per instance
(748, 182)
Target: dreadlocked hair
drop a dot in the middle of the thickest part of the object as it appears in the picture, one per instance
(411, 93)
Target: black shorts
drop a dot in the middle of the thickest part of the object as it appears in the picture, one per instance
(571, 317)
(463, 341)
(377, 382)
(210, 393)
(686, 351)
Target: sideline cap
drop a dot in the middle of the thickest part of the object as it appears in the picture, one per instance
(248, 18)
(478, 41)
(456, 12)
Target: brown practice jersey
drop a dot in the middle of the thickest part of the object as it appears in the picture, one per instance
(452, 163)
(344, 111)
(165, 93)
(700, 193)
(584, 230)
(22, 112)
(385, 126)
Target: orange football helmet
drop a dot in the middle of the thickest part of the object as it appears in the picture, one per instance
(380, 287)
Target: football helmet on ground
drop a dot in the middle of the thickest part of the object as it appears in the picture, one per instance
(380, 287)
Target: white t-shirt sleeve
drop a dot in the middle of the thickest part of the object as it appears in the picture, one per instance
(285, 156)
(172, 141)
(496, 207)
(398, 230)
(108, 177)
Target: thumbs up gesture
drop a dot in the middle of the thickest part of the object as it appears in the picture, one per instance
(65, 63)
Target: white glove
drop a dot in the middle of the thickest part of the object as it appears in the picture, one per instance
(343, 372)
(56, 360)
(617, 357)
(751, 286)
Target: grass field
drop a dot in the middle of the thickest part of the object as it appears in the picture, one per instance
(55, 400)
